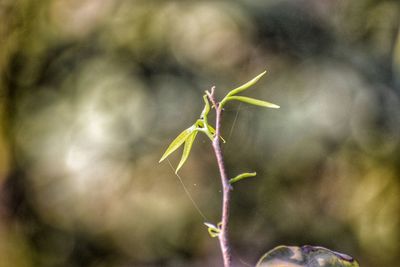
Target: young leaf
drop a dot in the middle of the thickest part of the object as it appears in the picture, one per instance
(177, 142)
(186, 149)
(199, 123)
(210, 225)
(212, 131)
(206, 109)
(253, 101)
(242, 176)
(212, 229)
(246, 85)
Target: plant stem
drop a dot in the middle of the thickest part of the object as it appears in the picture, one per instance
(226, 187)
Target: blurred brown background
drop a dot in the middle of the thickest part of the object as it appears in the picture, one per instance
(92, 92)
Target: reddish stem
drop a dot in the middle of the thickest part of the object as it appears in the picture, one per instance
(226, 187)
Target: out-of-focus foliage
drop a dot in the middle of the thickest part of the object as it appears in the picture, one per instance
(92, 92)
(305, 256)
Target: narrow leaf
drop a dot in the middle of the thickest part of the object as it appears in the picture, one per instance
(186, 149)
(242, 176)
(206, 109)
(212, 131)
(253, 101)
(246, 85)
(177, 142)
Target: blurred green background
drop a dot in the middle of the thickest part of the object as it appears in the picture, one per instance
(92, 92)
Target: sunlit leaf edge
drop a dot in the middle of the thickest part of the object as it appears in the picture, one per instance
(246, 85)
(178, 141)
(242, 176)
(186, 149)
(253, 101)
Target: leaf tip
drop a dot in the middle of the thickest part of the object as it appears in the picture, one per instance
(162, 158)
(179, 167)
(275, 106)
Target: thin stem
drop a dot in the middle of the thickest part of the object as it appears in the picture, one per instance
(226, 187)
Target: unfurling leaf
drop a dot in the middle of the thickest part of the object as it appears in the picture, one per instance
(177, 142)
(186, 149)
(242, 176)
(305, 256)
(253, 101)
(246, 85)
(213, 230)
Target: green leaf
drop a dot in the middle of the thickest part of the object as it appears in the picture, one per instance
(213, 230)
(186, 149)
(177, 142)
(206, 109)
(246, 85)
(242, 176)
(253, 101)
(212, 131)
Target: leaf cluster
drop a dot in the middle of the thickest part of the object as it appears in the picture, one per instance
(188, 136)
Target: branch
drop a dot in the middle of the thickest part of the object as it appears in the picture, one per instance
(226, 198)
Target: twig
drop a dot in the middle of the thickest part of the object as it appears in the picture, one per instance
(186, 139)
(226, 187)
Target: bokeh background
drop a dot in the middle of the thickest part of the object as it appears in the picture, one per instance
(92, 92)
